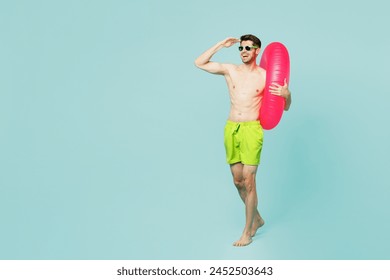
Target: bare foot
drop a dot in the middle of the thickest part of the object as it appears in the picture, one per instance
(258, 222)
(244, 240)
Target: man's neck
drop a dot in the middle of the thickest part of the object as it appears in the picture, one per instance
(249, 66)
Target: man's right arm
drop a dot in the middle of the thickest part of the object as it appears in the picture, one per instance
(203, 61)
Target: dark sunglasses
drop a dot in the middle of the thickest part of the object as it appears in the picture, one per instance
(248, 48)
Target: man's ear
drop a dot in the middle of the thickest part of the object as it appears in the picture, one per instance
(258, 51)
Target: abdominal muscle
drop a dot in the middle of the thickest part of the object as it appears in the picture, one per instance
(245, 110)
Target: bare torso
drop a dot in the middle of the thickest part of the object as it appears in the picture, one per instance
(246, 92)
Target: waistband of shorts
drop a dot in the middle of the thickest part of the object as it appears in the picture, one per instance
(250, 123)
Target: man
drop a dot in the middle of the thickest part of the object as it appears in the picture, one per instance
(243, 132)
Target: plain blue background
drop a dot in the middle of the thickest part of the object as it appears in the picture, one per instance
(112, 140)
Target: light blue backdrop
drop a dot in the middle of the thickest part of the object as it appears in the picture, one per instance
(111, 140)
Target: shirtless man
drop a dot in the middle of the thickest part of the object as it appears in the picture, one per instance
(243, 132)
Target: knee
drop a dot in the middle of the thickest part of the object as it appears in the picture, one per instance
(238, 182)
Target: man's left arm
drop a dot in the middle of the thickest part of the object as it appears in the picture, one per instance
(287, 96)
(282, 91)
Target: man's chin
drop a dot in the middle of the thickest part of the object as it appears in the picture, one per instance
(246, 60)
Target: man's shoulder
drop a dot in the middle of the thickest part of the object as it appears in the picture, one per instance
(261, 70)
(230, 68)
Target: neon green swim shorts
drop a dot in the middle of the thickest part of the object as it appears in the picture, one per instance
(243, 142)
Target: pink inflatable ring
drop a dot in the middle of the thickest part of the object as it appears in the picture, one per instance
(276, 61)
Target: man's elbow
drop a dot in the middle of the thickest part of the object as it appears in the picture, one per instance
(287, 106)
(288, 103)
(198, 63)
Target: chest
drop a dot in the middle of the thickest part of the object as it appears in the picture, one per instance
(247, 82)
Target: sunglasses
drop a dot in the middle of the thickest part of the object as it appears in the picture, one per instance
(248, 48)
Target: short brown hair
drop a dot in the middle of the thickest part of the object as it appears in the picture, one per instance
(249, 37)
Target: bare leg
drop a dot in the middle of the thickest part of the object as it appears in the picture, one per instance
(238, 177)
(244, 178)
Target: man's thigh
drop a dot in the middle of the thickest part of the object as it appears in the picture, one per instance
(237, 170)
(249, 171)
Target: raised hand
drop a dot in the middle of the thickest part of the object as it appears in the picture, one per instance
(228, 42)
